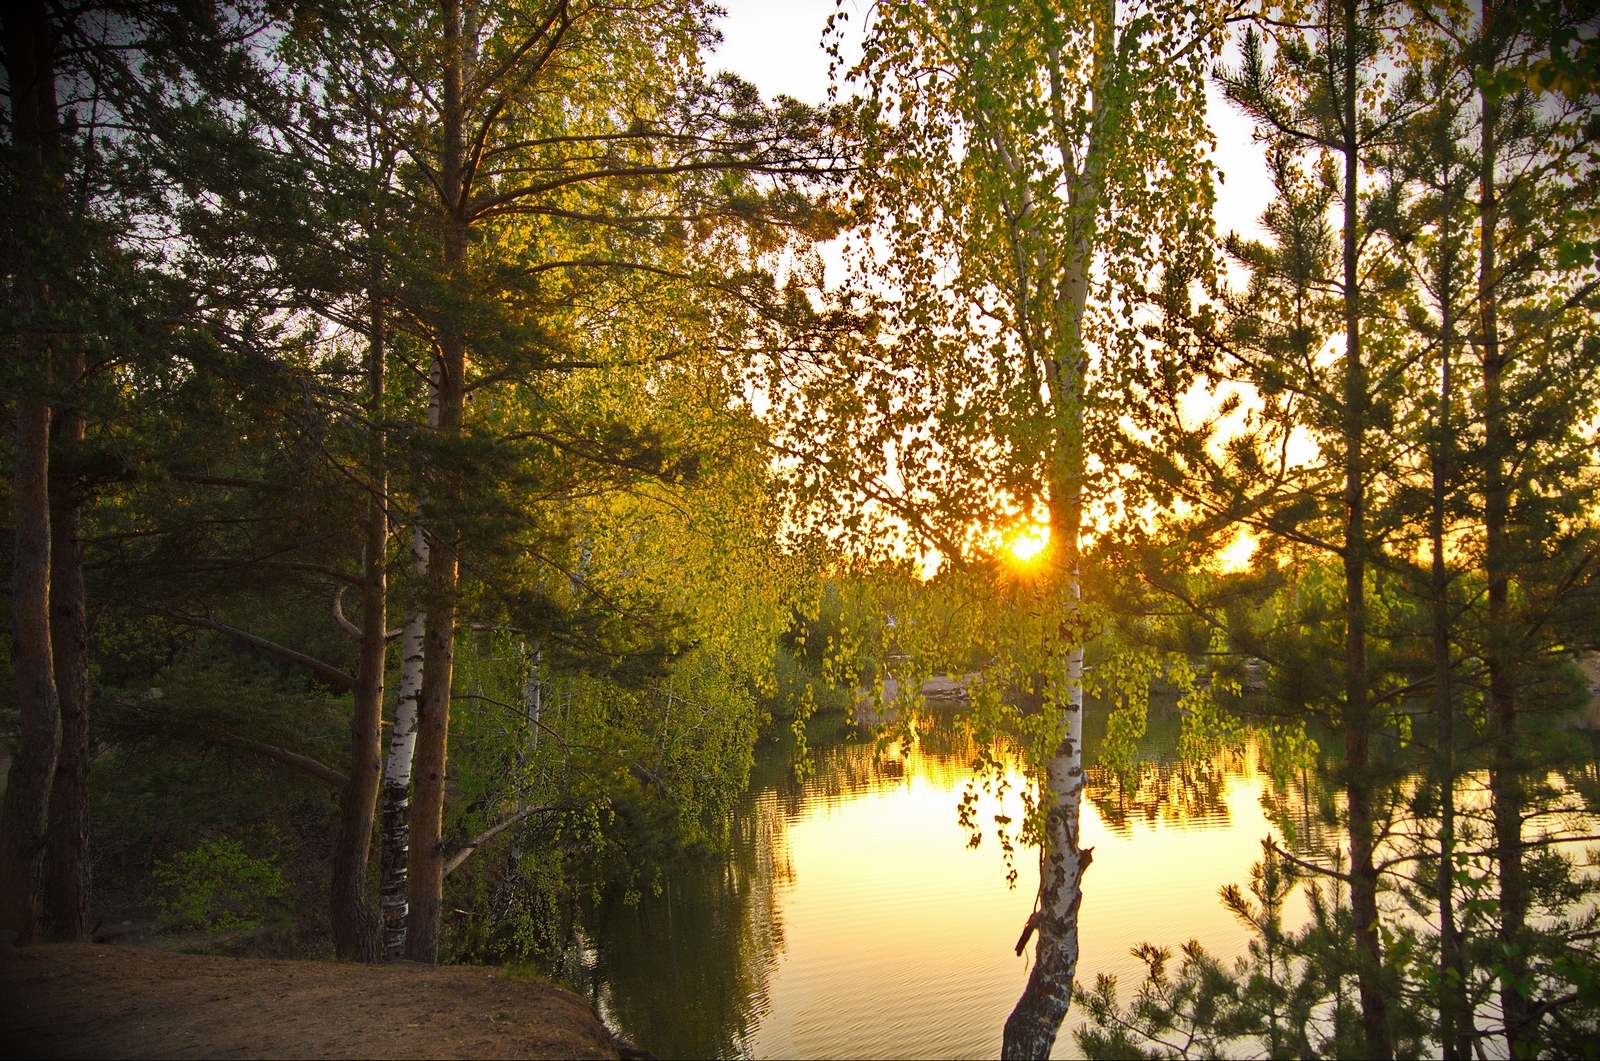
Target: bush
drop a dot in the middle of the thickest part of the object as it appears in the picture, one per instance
(216, 887)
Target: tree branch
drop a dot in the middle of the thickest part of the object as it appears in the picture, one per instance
(455, 860)
(351, 628)
(272, 648)
(282, 755)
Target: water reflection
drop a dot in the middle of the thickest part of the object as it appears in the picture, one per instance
(850, 918)
(686, 971)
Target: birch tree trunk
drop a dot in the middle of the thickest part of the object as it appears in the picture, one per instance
(1035, 1021)
(397, 771)
(24, 823)
(354, 925)
(65, 896)
(396, 814)
(425, 884)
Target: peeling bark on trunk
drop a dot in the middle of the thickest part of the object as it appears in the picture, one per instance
(1035, 1021)
(355, 927)
(425, 871)
(65, 896)
(397, 771)
(24, 822)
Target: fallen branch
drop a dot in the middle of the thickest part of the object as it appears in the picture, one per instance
(283, 755)
(455, 860)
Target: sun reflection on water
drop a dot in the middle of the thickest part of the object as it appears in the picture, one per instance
(898, 938)
(855, 920)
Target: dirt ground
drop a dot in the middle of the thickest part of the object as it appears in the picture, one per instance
(97, 1000)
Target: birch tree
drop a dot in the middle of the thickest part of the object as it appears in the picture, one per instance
(1028, 166)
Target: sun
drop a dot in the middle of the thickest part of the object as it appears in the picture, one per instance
(1030, 543)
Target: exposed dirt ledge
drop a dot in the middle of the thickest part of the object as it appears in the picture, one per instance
(97, 1000)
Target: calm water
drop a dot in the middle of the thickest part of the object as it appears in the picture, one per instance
(851, 918)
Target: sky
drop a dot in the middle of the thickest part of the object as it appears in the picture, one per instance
(777, 46)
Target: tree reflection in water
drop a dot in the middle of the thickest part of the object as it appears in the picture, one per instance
(688, 972)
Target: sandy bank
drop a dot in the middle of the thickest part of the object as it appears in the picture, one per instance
(94, 1000)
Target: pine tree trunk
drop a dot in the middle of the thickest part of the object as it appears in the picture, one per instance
(1454, 1015)
(425, 872)
(1357, 730)
(1505, 781)
(354, 924)
(65, 896)
(24, 822)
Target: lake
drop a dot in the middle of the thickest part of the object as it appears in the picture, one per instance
(851, 918)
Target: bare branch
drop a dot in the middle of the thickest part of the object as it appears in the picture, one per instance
(455, 860)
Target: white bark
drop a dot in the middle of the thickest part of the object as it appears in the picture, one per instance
(396, 813)
(397, 769)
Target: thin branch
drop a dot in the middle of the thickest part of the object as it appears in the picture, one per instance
(454, 861)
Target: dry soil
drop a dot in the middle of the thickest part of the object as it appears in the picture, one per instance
(94, 1000)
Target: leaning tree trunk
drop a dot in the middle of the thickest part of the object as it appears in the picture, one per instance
(354, 925)
(24, 823)
(425, 872)
(65, 896)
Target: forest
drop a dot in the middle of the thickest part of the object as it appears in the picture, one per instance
(450, 447)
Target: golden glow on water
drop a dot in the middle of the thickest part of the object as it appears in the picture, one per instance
(898, 939)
